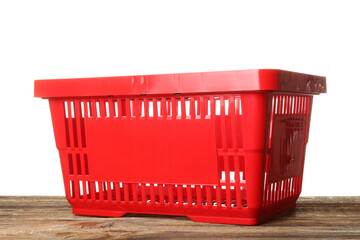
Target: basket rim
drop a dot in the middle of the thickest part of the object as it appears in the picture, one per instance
(178, 83)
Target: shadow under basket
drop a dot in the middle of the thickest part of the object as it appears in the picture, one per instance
(220, 147)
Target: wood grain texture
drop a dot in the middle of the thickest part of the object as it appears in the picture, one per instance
(52, 218)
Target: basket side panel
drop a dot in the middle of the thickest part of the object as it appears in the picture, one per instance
(289, 129)
(61, 134)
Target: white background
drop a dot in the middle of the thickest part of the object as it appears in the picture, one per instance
(49, 39)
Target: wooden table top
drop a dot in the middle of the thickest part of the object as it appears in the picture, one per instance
(52, 218)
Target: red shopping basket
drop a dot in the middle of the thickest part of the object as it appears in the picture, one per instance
(223, 147)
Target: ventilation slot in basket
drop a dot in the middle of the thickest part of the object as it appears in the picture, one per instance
(169, 108)
(281, 190)
(154, 194)
(74, 124)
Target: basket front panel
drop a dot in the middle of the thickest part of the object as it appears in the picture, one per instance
(209, 170)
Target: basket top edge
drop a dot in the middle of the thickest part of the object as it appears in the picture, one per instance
(195, 82)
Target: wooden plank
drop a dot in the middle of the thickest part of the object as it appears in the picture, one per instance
(52, 218)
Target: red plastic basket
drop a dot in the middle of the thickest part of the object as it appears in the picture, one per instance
(223, 147)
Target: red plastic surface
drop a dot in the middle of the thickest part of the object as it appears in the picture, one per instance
(225, 81)
(227, 157)
(145, 148)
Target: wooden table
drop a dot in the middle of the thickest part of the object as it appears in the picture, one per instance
(52, 218)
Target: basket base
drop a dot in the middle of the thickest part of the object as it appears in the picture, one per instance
(271, 213)
(243, 221)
